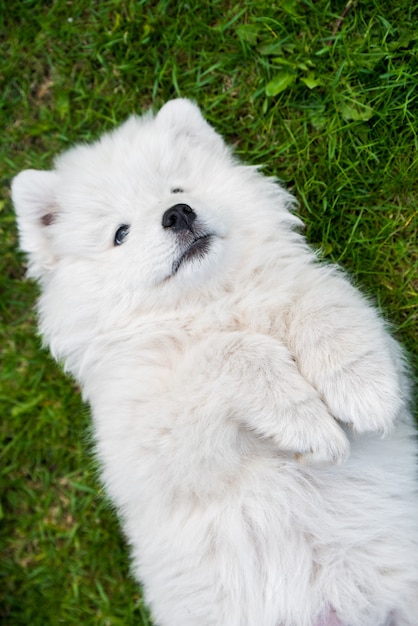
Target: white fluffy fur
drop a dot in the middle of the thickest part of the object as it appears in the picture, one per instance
(250, 410)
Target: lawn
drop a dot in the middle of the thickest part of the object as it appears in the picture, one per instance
(323, 94)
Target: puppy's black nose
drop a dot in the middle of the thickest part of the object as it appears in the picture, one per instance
(179, 217)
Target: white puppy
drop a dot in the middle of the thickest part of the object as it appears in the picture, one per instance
(249, 407)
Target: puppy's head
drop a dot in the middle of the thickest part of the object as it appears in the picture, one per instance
(140, 189)
(152, 215)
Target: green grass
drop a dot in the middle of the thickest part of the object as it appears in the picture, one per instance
(334, 116)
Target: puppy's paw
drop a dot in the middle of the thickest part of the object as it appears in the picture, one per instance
(366, 396)
(333, 451)
(344, 351)
(330, 448)
(314, 435)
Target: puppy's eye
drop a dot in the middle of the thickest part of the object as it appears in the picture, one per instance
(121, 234)
(177, 190)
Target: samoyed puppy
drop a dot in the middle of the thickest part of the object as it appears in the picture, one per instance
(250, 408)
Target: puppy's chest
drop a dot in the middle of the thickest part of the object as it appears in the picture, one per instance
(257, 318)
(164, 397)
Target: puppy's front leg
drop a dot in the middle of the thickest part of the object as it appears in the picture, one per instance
(267, 394)
(343, 349)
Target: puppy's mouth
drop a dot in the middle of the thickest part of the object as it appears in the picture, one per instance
(196, 249)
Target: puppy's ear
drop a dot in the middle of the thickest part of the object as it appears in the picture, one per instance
(34, 194)
(183, 117)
